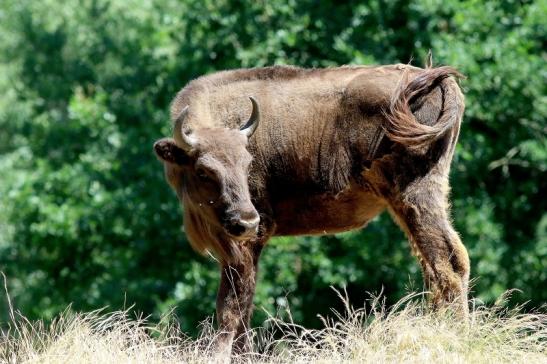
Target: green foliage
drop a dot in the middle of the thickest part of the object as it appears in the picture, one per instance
(87, 219)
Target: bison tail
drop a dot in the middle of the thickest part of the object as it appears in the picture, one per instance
(415, 133)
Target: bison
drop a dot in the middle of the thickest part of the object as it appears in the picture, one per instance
(284, 150)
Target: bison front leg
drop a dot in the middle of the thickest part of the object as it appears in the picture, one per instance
(422, 212)
(235, 300)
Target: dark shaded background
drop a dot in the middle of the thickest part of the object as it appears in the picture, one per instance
(85, 86)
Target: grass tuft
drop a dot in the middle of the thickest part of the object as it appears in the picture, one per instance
(406, 333)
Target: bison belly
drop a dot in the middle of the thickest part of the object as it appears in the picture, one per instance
(326, 213)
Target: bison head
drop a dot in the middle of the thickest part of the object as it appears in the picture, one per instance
(208, 169)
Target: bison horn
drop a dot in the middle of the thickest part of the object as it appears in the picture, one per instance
(249, 128)
(183, 140)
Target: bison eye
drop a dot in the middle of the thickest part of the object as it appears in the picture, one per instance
(203, 175)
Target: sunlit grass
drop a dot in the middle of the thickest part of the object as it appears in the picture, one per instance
(407, 332)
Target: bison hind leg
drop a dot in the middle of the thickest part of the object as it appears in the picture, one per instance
(422, 212)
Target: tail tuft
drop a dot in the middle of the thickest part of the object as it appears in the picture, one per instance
(403, 127)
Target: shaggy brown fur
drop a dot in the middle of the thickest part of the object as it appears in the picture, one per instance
(334, 148)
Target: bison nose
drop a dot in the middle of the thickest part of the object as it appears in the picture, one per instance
(244, 226)
(249, 224)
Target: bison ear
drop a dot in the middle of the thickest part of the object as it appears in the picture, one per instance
(167, 151)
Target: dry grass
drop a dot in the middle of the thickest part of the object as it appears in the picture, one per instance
(406, 333)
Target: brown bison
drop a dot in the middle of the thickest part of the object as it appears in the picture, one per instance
(291, 151)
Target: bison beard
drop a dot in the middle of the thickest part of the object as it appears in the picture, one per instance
(334, 148)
